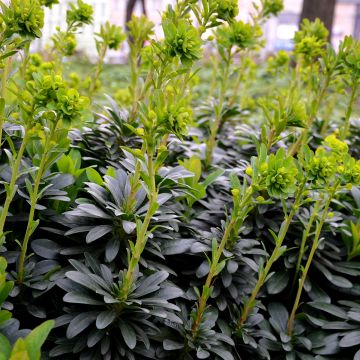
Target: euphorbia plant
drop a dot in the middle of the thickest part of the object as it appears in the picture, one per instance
(110, 37)
(331, 169)
(21, 21)
(56, 107)
(159, 117)
(236, 38)
(79, 15)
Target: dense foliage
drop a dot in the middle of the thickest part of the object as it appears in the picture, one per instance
(209, 209)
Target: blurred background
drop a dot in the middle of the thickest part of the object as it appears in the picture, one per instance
(342, 17)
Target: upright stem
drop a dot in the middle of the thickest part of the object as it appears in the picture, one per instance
(11, 188)
(34, 197)
(235, 217)
(142, 235)
(4, 78)
(345, 129)
(238, 81)
(305, 236)
(313, 112)
(98, 69)
(250, 303)
(211, 142)
(309, 260)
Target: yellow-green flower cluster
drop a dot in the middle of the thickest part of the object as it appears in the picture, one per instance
(50, 91)
(321, 167)
(111, 35)
(351, 57)
(182, 40)
(272, 7)
(243, 35)
(339, 148)
(174, 118)
(79, 14)
(23, 17)
(278, 62)
(311, 39)
(281, 175)
(49, 3)
(36, 64)
(350, 170)
(227, 9)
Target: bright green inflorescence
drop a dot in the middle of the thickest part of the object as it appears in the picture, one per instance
(79, 13)
(311, 39)
(312, 28)
(23, 17)
(272, 7)
(322, 166)
(227, 9)
(182, 40)
(281, 175)
(244, 35)
(49, 91)
(49, 3)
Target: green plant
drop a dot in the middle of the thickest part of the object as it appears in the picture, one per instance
(208, 210)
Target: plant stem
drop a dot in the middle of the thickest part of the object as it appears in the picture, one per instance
(34, 197)
(10, 193)
(310, 258)
(345, 129)
(305, 237)
(4, 78)
(142, 235)
(250, 303)
(236, 221)
(98, 69)
(315, 105)
(211, 142)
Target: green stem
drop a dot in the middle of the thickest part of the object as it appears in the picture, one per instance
(250, 303)
(98, 69)
(34, 197)
(11, 188)
(305, 236)
(4, 78)
(312, 116)
(330, 106)
(309, 260)
(142, 235)
(345, 129)
(235, 222)
(211, 142)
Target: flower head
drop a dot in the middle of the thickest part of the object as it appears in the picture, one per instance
(281, 175)
(322, 167)
(315, 28)
(182, 40)
(244, 35)
(70, 104)
(351, 170)
(351, 56)
(272, 7)
(227, 9)
(23, 17)
(49, 3)
(111, 35)
(79, 14)
(310, 47)
(338, 147)
(174, 119)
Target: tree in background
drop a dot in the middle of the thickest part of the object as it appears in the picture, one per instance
(322, 9)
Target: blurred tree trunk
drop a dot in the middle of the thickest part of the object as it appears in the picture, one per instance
(130, 6)
(322, 9)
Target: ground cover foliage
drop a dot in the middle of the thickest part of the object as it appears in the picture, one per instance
(183, 216)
